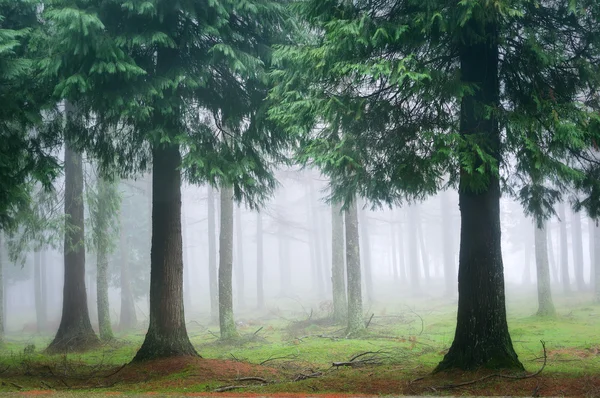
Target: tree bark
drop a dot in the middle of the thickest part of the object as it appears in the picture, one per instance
(481, 338)
(577, 250)
(167, 335)
(338, 284)
(448, 245)
(260, 273)
(226, 322)
(239, 263)
(75, 332)
(104, 325)
(356, 323)
(212, 256)
(545, 304)
(564, 249)
(128, 317)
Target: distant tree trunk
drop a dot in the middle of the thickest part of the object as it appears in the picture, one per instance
(285, 278)
(102, 224)
(355, 313)
(226, 321)
(448, 245)
(187, 283)
(564, 249)
(394, 250)
(75, 332)
(212, 256)
(2, 293)
(338, 284)
(591, 232)
(315, 240)
(527, 265)
(414, 265)
(40, 298)
(239, 263)
(167, 335)
(365, 244)
(481, 338)
(423, 251)
(545, 304)
(551, 254)
(577, 250)
(402, 268)
(128, 317)
(596, 264)
(260, 266)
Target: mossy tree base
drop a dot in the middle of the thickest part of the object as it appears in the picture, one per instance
(486, 356)
(155, 347)
(79, 341)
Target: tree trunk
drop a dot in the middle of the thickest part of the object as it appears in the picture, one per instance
(564, 249)
(260, 266)
(526, 280)
(75, 332)
(545, 304)
(422, 247)
(356, 323)
(314, 240)
(481, 338)
(239, 263)
(128, 317)
(212, 256)
(2, 293)
(577, 250)
(167, 335)
(414, 266)
(338, 284)
(104, 325)
(394, 250)
(226, 321)
(596, 264)
(365, 244)
(448, 245)
(592, 251)
(187, 284)
(40, 300)
(551, 255)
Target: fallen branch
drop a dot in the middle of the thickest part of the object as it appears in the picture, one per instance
(302, 376)
(253, 378)
(48, 386)
(499, 375)
(229, 388)
(16, 385)
(261, 328)
(369, 321)
(272, 358)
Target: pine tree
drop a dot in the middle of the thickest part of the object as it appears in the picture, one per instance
(468, 90)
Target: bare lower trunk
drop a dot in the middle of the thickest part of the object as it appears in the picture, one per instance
(481, 338)
(564, 250)
(545, 304)
(340, 305)
(104, 324)
(448, 244)
(239, 263)
(75, 332)
(596, 265)
(356, 323)
(2, 295)
(212, 256)
(167, 335)
(551, 255)
(592, 251)
(128, 317)
(226, 321)
(40, 299)
(260, 273)
(365, 245)
(414, 266)
(577, 250)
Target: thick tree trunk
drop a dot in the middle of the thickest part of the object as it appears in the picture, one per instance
(356, 323)
(40, 299)
(226, 321)
(212, 256)
(564, 249)
(104, 325)
(448, 245)
(365, 245)
(75, 332)
(260, 266)
(128, 317)
(167, 335)
(239, 263)
(545, 304)
(338, 284)
(481, 338)
(577, 250)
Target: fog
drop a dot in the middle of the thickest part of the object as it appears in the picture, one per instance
(406, 253)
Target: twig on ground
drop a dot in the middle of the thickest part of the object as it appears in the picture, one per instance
(303, 376)
(261, 328)
(272, 358)
(253, 378)
(418, 316)
(372, 360)
(48, 386)
(16, 385)
(499, 375)
(369, 321)
(229, 388)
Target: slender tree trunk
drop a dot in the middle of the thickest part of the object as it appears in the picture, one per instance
(187, 284)
(545, 304)
(414, 265)
(260, 266)
(551, 254)
(527, 265)
(402, 268)
(212, 256)
(42, 310)
(340, 305)
(356, 323)
(564, 249)
(226, 321)
(577, 251)
(591, 245)
(481, 338)
(128, 317)
(104, 325)
(75, 332)
(448, 244)
(596, 264)
(239, 263)
(2, 292)
(40, 315)
(167, 335)
(394, 250)
(365, 244)
(314, 240)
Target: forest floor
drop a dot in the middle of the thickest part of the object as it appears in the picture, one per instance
(297, 351)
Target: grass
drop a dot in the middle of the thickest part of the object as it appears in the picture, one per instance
(410, 338)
